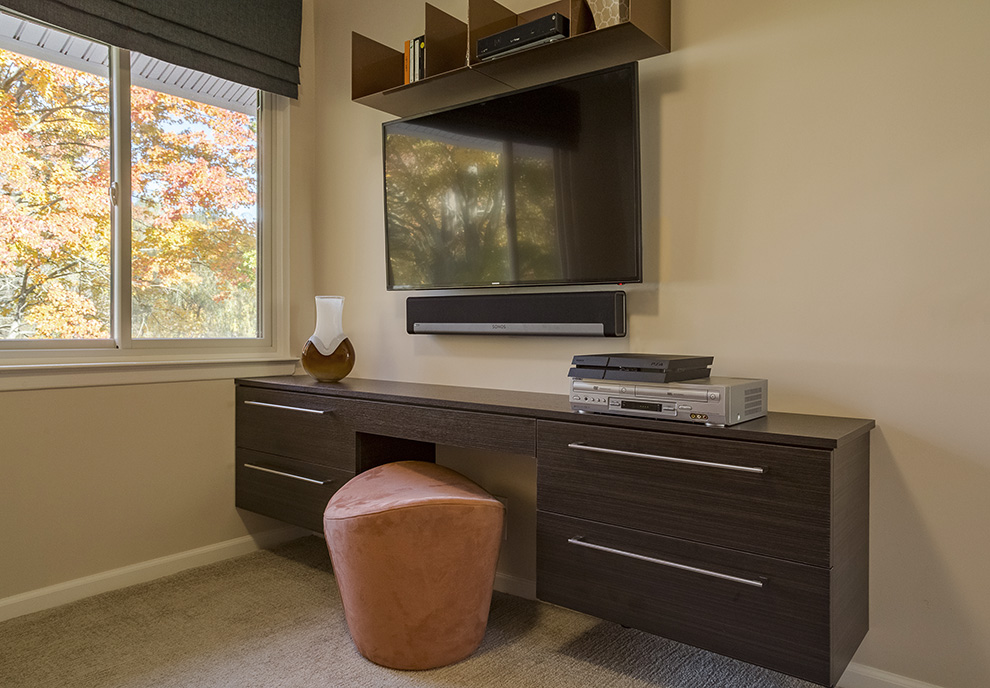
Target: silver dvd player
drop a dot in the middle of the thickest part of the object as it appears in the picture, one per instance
(712, 401)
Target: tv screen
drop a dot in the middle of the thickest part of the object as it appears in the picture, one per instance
(536, 187)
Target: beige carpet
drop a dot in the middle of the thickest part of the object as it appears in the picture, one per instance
(273, 618)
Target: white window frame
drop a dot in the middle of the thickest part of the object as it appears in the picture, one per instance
(36, 364)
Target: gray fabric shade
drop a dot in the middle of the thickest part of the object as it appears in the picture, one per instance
(251, 42)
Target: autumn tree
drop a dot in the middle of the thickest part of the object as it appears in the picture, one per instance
(448, 211)
(54, 216)
(193, 229)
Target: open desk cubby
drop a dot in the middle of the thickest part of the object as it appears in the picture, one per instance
(454, 74)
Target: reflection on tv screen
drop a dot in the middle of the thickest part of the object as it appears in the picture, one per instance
(449, 220)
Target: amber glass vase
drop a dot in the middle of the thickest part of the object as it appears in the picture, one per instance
(328, 355)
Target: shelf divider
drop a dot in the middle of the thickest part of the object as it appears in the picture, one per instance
(446, 42)
(374, 67)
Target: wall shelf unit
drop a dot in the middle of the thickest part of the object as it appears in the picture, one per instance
(454, 74)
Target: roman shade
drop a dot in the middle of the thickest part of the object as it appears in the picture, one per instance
(251, 42)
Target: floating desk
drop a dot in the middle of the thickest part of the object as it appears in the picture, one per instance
(751, 541)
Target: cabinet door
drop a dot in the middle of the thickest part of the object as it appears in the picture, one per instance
(765, 499)
(306, 427)
(758, 609)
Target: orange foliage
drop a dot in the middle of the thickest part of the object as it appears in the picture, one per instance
(193, 228)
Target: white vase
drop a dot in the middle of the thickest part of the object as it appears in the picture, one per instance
(609, 12)
(328, 355)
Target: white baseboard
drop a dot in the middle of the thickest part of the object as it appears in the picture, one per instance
(862, 676)
(70, 591)
(513, 585)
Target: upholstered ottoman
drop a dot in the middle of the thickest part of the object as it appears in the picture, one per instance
(414, 547)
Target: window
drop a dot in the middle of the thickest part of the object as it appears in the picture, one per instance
(194, 214)
(133, 208)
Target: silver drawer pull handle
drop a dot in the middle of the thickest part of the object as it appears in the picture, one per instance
(287, 475)
(578, 540)
(673, 459)
(280, 406)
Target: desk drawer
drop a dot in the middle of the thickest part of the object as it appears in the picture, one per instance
(491, 431)
(768, 612)
(760, 498)
(306, 427)
(292, 491)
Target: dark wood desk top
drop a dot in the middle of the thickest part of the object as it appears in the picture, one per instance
(803, 430)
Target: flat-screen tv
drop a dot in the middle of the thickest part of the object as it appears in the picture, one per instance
(532, 188)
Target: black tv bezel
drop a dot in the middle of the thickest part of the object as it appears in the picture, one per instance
(637, 279)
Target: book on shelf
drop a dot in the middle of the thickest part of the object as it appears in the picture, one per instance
(415, 58)
(421, 57)
(405, 63)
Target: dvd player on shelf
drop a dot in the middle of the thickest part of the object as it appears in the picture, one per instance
(712, 401)
(552, 27)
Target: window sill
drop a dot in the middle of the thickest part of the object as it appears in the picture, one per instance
(137, 372)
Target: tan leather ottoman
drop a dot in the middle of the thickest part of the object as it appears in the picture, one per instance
(414, 547)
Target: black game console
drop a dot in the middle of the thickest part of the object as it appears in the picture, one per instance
(657, 368)
(552, 27)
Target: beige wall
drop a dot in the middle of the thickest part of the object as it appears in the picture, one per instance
(816, 212)
(816, 187)
(96, 479)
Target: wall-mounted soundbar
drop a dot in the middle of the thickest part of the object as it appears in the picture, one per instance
(576, 314)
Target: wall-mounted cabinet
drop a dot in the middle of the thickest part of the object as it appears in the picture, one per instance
(454, 74)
